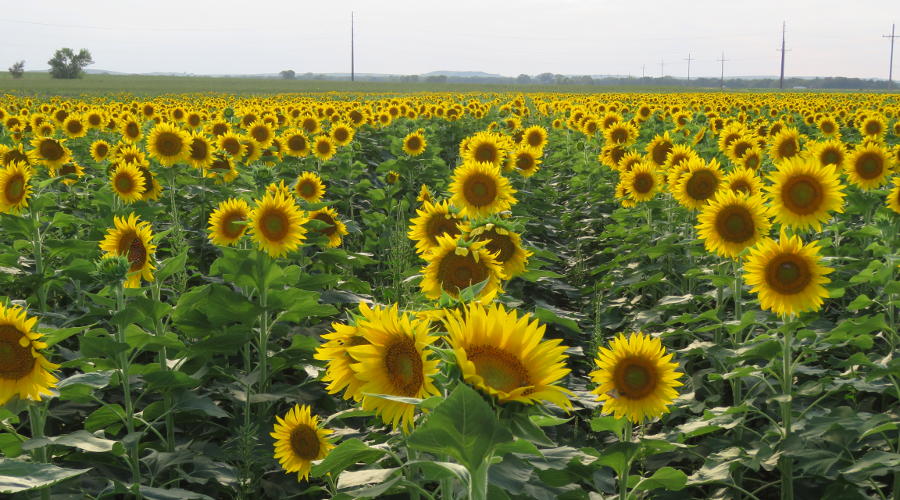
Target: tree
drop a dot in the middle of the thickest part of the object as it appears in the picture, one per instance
(67, 64)
(17, 69)
(523, 78)
(545, 78)
(288, 74)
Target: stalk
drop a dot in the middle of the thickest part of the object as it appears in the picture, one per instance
(167, 396)
(623, 474)
(786, 463)
(37, 417)
(37, 246)
(124, 364)
(478, 482)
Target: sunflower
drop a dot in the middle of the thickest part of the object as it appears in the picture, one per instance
(830, 152)
(168, 144)
(261, 133)
(752, 159)
(100, 150)
(218, 128)
(128, 182)
(678, 155)
(479, 190)
(414, 143)
(295, 143)
(732, 222)
(786, 144)
(338, 373)
(642, 181)
(743, 180)
(787, 275)
(200, 151)
(276, 224)
(803, 193)
(620, 133)
(659, 148)
(505, 244)
(739, 147)
(299, 441)
(893, 198)
(699, 183)
(309, 187)
(868, 166)
(505, 356)
(153, 189)
(130, 129)
(828, 127)
(454, 265)
(71, 168)
(434, 220)
(232, 144)
(341, 134)
(129, 153)
(485, 147)
(424, 195)
(323, 147)
(525, 161)
(395, 362)
(14, 187)
(133, 239)
(222, 169)
(24, 371)
(392, 177)
(612, 155)
(310, 124)
(335, 231)
(51, 152)
(535, 137)
(252, 152)
(635, 377)
(873, 126)
(228, 222)
(74, 127)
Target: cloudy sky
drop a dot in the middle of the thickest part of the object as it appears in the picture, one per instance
(825, 37)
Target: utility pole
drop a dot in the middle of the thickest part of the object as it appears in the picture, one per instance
(892, 36)
(662, 66)
(352, 55)
(722, 81)
(781, 79)
(643, 71)
(689, 65)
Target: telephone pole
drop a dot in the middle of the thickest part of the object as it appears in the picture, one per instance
(722, 81)
(352, 55)
(662, 66)
(781, 79)
(643, 71)
(892, 36)
(689, 65)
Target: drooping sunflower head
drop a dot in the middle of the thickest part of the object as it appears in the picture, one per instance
(504, 355)
(744, 180)
(699, 183)
(659, 148)
(803, 194)
(869, 166)
(525, 161)
(323, 147)
(433, 220)
(127, 182)
(299, 441)
(455, 265)
(334, 229)
(228, 222)
(643, 181)
(504, 243)
(15, 188)
(479, 190)
(133, 239)
(168, 144)
(24, 371)
(787, 275)
(276, 224)
(414, 143)
(310, 187)
(732, 222)
(395, 361)
(635, 377)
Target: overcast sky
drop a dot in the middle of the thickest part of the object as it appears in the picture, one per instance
(825, 37)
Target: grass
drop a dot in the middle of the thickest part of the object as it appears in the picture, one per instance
(39, 83)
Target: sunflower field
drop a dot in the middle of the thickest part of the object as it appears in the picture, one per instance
(450, 295)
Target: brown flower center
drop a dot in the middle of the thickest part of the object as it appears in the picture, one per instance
(16, 362)
(788, 274)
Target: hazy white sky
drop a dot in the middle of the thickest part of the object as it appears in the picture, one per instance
(825, 37)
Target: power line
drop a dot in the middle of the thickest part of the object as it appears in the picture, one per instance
(689, 66)
(722, 60)
(892, 36)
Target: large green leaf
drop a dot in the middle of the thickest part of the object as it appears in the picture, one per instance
(463, 426)
(16, 476)
(348, 453)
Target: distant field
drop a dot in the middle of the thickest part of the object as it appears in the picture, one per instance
(42, 84)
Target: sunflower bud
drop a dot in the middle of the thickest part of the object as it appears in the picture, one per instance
(112, 270)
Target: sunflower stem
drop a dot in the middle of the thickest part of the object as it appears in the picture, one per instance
(263, 340)
(478, 480)
(163, 364)
(37, 417)
(124, 365)
(623, 474)
(37, 246)
(786, 462)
